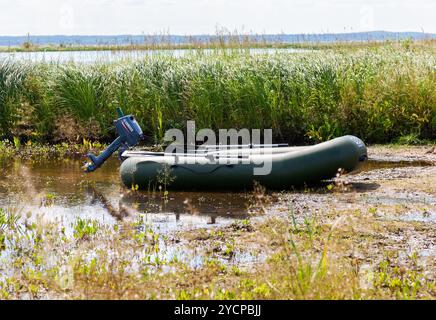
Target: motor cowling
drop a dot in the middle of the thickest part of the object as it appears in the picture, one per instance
(129, 135)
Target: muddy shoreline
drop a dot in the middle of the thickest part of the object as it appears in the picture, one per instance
(368, 234)
(386, 212)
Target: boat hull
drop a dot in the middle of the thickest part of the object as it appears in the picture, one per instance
(294, 167)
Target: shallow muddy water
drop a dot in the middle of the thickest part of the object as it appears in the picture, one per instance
(61, 190)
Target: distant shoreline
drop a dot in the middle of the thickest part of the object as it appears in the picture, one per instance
(163, 42)
(30, 47)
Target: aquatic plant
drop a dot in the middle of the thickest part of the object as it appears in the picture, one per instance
(306, 258)
(12, 76)
(400, 282)
(8, 220)
(379, 94)
(85, 228)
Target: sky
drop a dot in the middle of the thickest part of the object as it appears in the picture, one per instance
(185, 17)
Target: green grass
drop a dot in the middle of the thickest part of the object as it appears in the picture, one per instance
(131, 261)
(12, 76)
(377, 93)
(84, 229)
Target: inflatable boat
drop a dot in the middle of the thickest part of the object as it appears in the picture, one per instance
(229, 169)
(226, 167)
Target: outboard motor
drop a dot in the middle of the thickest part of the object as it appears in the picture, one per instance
(129, 134)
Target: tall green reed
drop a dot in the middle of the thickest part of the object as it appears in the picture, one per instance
(12, 76)
(378, 94)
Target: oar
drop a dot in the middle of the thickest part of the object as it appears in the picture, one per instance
(243, 146)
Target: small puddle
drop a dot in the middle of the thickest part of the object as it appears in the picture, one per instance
(377, 164)
(428, 216)
(422, 216)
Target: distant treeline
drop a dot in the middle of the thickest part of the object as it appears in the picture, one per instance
(92, 40)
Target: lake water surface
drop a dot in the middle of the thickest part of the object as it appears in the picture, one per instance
(114, 56)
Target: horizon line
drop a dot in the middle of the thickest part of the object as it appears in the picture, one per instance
(212, 35)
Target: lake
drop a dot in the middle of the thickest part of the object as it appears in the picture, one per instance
(114, 56)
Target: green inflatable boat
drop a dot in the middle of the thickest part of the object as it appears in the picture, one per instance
(230, 169)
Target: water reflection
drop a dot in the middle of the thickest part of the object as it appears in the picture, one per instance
(61, 190)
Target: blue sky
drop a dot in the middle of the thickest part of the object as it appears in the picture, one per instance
(19, 17)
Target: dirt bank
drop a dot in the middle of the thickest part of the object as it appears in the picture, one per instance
(384, 223)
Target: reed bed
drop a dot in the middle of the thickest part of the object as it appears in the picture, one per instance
(378, 94)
